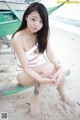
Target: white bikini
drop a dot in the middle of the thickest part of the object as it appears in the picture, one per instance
(33, 57)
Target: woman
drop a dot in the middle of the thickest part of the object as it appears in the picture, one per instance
(30, 42)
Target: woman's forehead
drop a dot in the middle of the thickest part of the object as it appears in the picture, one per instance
(35, 14)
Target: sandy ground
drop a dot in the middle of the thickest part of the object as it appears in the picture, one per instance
(66, 46)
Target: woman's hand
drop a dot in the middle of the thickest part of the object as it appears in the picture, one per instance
(49, 81)
(57, 76)
(53, 79)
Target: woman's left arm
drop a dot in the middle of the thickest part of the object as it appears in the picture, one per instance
(51, 56)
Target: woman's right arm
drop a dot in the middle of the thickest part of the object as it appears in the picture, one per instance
(18, 48)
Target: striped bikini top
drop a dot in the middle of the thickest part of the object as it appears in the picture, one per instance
(33, 57)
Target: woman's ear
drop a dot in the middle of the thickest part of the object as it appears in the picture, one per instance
(26, 18)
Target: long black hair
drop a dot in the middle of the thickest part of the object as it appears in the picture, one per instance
(42, 34)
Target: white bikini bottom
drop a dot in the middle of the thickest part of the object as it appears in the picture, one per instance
(41, 60)
(20, 70)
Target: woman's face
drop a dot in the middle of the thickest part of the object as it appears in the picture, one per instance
(34, 22)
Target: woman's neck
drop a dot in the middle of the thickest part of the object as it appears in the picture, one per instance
(29, 35)
(28, 32)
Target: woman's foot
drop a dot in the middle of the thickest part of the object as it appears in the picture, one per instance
(65, 98)
(35, 108)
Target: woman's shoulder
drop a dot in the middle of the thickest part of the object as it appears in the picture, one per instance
(17, 42)
(16, 37)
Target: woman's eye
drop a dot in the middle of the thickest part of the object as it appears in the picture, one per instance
(40, 21)
(33, 19)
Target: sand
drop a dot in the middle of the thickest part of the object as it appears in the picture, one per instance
(66, 46)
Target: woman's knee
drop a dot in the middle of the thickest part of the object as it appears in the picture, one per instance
(48, 69)
(25, 80)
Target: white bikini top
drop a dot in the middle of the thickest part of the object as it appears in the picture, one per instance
(32, 53)
(33, 57)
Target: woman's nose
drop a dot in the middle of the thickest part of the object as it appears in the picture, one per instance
(37, 23)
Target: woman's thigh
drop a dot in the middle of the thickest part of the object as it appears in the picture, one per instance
(45, 70)
(25, 79)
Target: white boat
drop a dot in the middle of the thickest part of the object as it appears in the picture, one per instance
(15, 4)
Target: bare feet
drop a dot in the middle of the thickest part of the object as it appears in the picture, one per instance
(68, 100)
(35, 109)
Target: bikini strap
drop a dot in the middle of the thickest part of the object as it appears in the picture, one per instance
(31, 50)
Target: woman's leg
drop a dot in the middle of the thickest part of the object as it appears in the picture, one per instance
(44, 70)
(60, 88)
(63, 94)
(48, 69)
(35, 101)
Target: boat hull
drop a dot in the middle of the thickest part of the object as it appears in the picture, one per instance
(20, 6)
(10, 26)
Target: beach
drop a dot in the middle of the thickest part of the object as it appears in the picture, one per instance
(66, 46)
